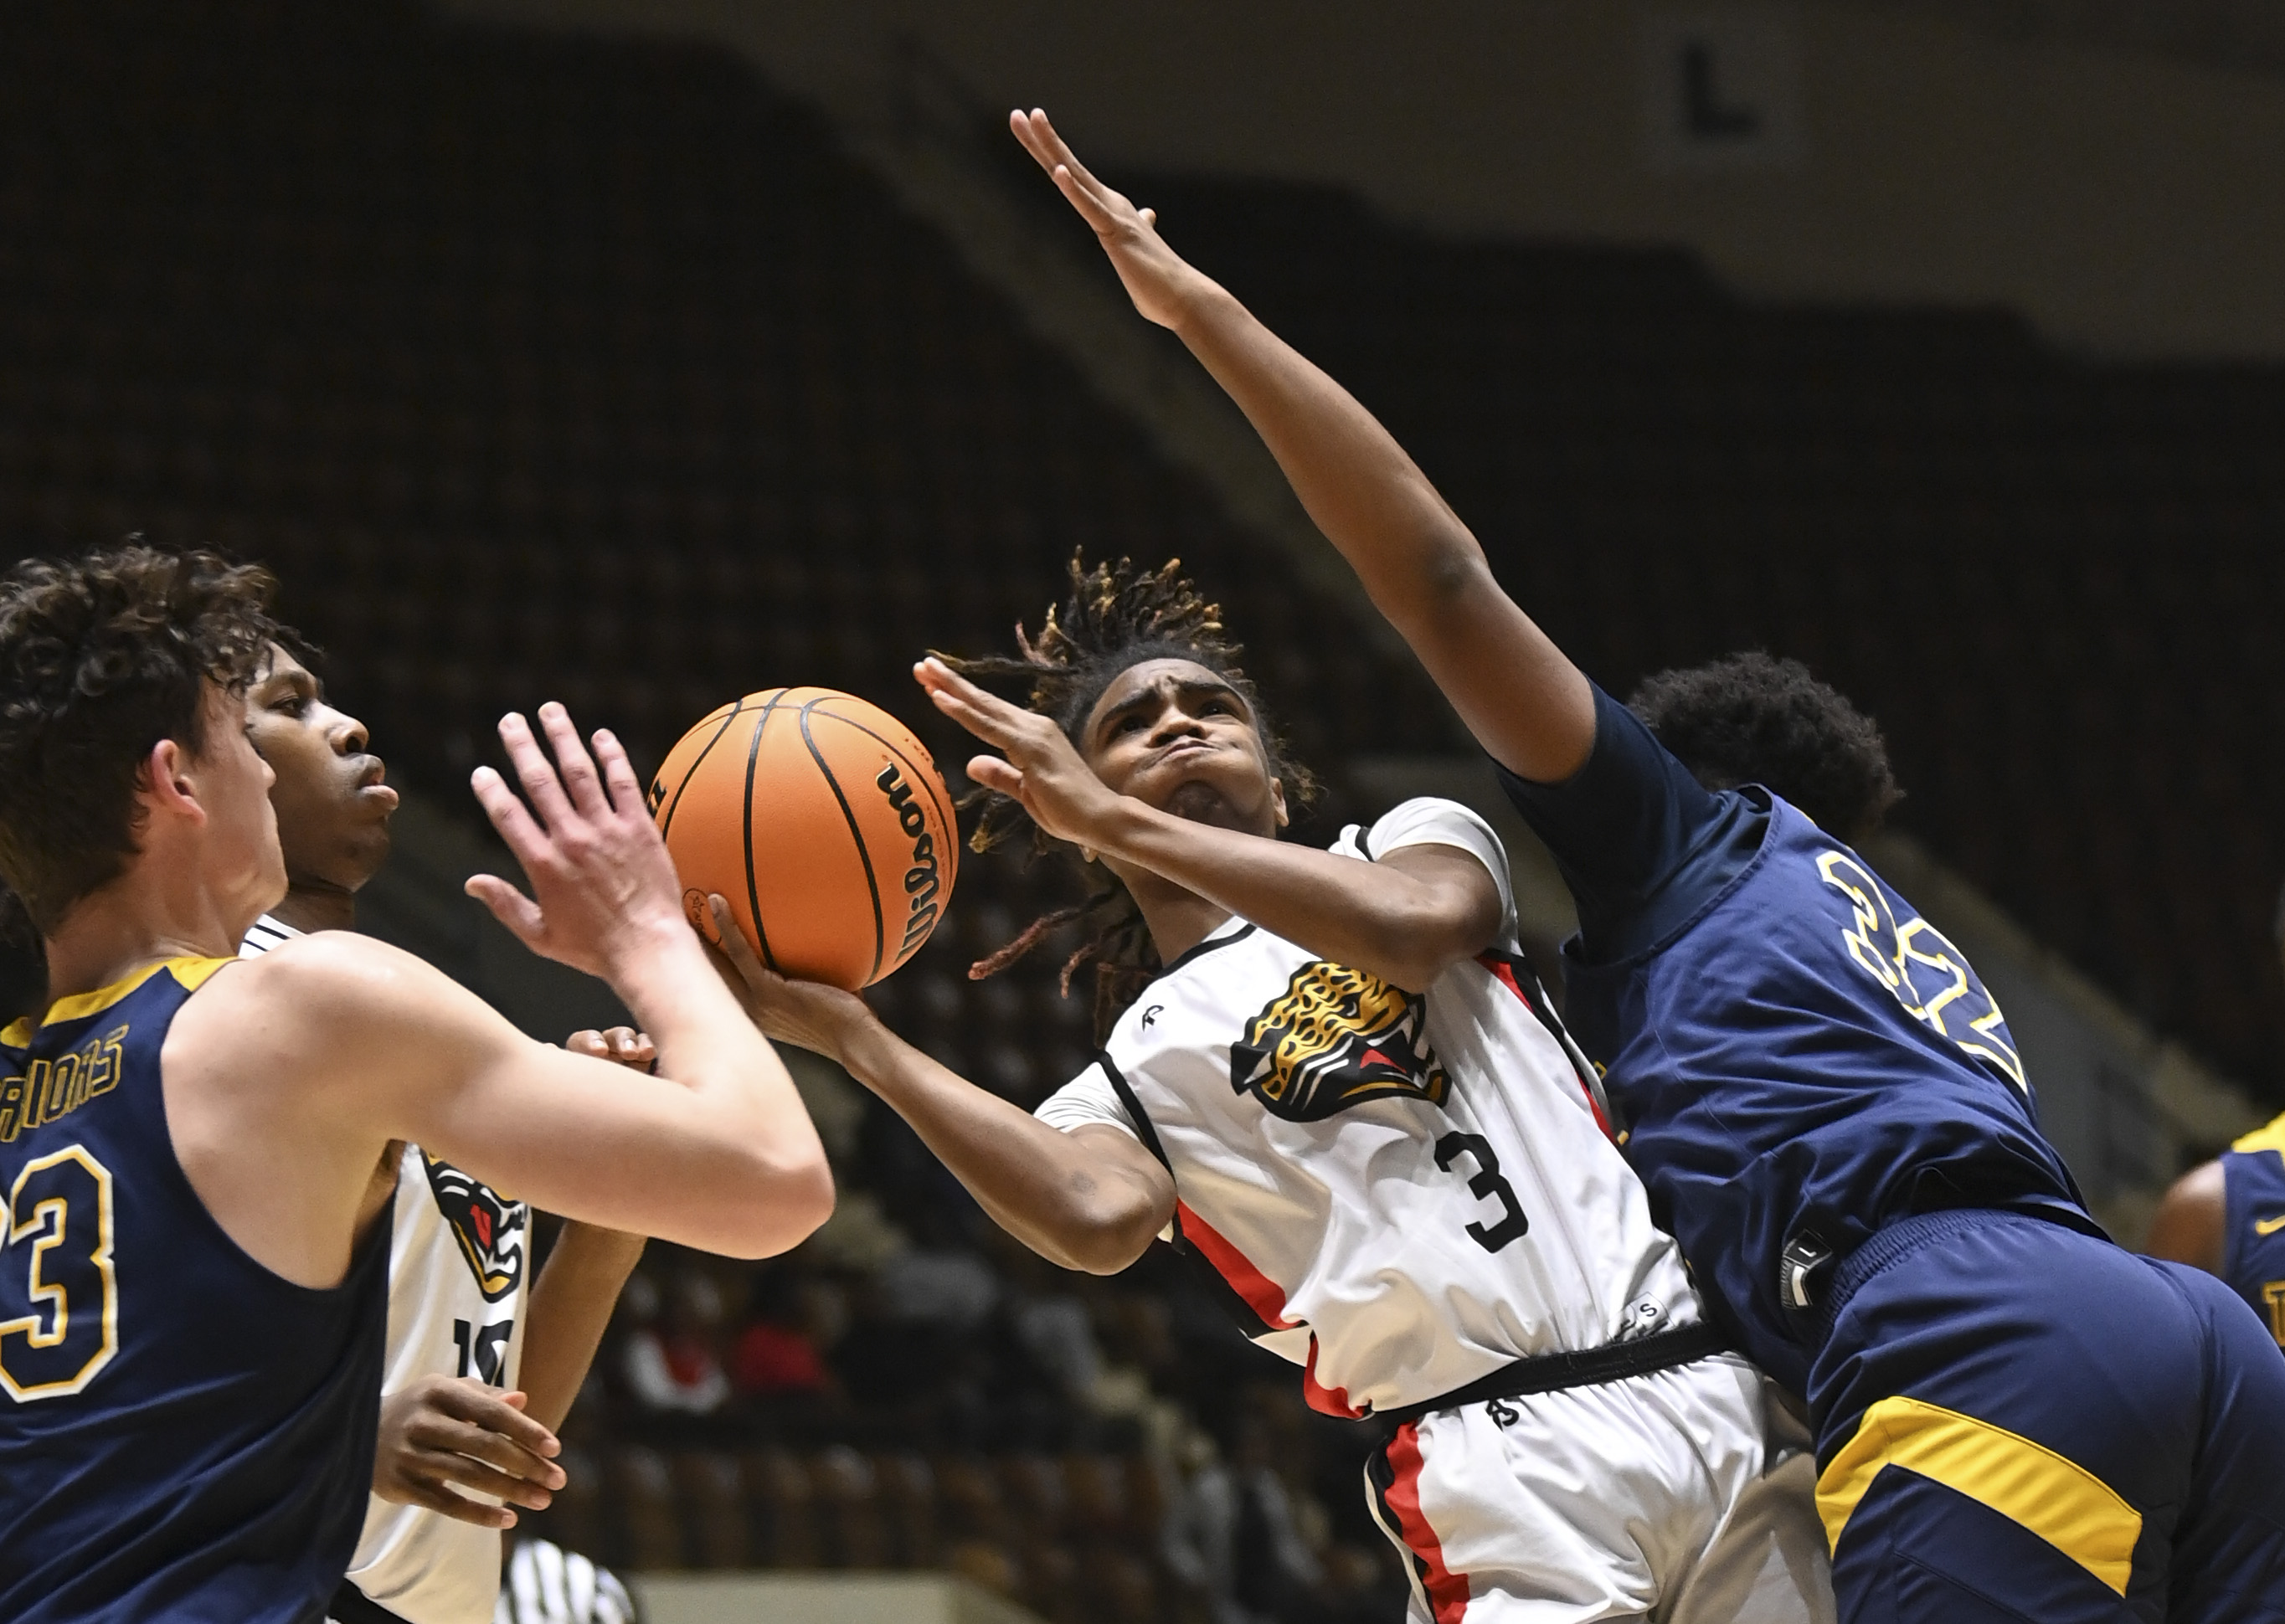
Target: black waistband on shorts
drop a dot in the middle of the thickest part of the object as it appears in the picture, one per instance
(1614, 1361)
(351, 1605)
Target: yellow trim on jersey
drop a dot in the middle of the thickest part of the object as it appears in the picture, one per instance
(2270, 1138)
(2060, 1501)
(189, 970)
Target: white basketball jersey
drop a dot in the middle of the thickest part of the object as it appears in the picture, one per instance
(1403, 1192)
(457, 1261)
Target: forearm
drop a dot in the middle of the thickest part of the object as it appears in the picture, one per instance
(1367, 917)
(1516, 691)
(1360, 487)
(706, 1044)
(1051, 1191)
(568, 1309)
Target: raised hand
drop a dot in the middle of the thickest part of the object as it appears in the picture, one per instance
(601, 883)
(1156, 277)
(1041, 769)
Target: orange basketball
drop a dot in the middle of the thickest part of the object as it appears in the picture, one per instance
(825, 823)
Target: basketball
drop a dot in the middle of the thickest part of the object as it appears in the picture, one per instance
(823, 821)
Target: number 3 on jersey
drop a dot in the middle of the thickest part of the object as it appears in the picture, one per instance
(58, 1298)
(1489, 1184)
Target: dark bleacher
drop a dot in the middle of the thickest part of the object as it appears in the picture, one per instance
(588, 369)
(2056, 584)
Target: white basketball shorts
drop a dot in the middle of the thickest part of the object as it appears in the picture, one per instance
(1684, 1496)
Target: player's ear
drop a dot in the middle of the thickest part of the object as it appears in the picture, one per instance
(166, 777)
(1278, 802)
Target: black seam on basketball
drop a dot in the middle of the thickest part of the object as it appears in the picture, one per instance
(856, 835)
(753, 891)
(927, 779)
(667, 822)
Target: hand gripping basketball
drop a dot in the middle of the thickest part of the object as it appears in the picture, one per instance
(601, 886)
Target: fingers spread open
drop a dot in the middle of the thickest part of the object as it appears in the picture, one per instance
(985, 715)
(576, 768)
(625, 789)
(519, 913)
(508, 815)
(994, 774)
(534, 770)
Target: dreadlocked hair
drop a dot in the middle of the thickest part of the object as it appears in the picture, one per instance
(1116, 617)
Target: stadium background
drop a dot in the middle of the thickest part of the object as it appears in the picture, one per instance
(641, 355)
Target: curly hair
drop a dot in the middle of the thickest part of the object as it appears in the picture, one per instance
(101, 657)
(1116, 617)
(1751, 718)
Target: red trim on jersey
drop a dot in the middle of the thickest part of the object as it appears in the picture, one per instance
(1326, 1400)
(1260, 1293)
(1447, 1592)
(1503, 973)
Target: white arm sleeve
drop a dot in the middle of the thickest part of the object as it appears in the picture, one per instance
(1428, 822)
(1087, 1101)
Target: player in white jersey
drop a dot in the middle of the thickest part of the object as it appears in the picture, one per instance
(1329, 1077)
(463, 1409)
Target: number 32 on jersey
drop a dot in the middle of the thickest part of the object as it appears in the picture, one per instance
(59, 1295)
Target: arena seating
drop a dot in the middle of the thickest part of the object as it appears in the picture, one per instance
(546, 367)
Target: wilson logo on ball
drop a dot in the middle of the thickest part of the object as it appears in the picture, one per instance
(920, 879)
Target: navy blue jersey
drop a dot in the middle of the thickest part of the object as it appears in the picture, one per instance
(1795, 1052)
(184, 1434)
(2253, 1252)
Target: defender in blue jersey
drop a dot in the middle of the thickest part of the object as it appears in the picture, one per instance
(2227, 1217)
(194, 1255)
(2015, 1419)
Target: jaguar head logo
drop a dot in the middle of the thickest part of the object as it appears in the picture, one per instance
(1336, 1038)
(489, 1229)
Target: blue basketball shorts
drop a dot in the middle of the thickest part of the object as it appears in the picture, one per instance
(2019, 1422)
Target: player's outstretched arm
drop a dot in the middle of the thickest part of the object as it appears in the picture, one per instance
(1406, 919)
(1525, 702)
(1088, 1200)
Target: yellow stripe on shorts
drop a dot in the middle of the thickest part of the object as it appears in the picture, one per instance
(2060, 1501)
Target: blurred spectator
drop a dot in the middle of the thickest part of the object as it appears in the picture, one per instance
(1198, 1539)
(951, 1291)
(776, 1355)
(672, 1366)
